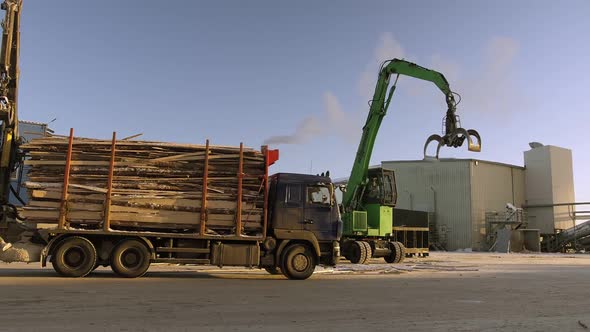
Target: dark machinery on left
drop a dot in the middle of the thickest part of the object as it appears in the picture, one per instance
(10, 157)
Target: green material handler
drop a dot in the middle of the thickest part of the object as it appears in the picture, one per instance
(370, 194)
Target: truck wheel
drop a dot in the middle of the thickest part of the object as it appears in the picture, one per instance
(369, 252)
(74, 257)
(130, 259)
(396, 252)
(298, 262)
(274, 270)
(403, 252)
(357, 252)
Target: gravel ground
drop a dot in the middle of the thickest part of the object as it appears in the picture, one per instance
(443, 292)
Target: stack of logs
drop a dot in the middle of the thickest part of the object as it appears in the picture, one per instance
(155, 186)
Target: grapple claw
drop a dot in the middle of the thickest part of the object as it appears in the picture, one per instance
(455, 139)
(433, 138)
(475, 147)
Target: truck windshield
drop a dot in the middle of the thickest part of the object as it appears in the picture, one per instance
(319, 195)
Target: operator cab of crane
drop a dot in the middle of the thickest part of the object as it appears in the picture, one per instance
(380, 187)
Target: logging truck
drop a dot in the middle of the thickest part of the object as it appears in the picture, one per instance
(298, 228)
(100, 215)
(209, 206)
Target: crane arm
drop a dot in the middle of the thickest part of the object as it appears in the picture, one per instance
(402, 67)
(453, 136)
(9, 74)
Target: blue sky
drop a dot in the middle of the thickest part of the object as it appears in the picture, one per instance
(235, 71)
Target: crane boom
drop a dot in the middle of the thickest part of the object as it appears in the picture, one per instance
(454, 135)
(9, 75)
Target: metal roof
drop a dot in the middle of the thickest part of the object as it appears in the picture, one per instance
(33, 123)
(450, 160)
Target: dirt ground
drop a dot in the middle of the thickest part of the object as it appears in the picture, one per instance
(443, 292)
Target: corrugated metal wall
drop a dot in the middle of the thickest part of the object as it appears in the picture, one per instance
(442, 188)
(459, 192)
(492, 186)
(518, 180)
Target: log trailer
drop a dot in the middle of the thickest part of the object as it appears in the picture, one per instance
(301, 221)
(370, 195)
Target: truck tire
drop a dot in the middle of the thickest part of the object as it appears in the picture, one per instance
(369, 251)
(130, 259)
(402, 252)
(298, 262)
(396, 253)
(74, 257)
(357, 252)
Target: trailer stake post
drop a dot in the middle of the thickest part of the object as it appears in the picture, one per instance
(203, 220)
(64, 195)
(239, 203)
(107, 203)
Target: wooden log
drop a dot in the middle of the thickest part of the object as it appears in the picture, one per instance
(142, 205)
(123, 217)
(157, 184)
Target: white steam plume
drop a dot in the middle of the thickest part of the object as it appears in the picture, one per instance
(335, 121)
(490, 89)
(305, 131)
(332, 121)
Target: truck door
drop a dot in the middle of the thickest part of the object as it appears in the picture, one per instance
(289, 207)
(318, 216)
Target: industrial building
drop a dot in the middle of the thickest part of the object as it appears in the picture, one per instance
(461, 194)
